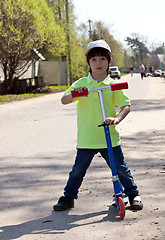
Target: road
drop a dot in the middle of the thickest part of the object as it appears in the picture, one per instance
(38, 139)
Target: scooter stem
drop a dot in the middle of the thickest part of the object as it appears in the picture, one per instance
(116, 182)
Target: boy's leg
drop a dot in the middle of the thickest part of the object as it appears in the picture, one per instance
(124, 173)
(82, 162)
(126, 179)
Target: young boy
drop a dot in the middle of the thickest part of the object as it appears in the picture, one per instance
(90, 138)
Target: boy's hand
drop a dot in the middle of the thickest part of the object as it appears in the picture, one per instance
(80, 92)
(119, 117)
(77, 92)
(80, 89)
(111, 121)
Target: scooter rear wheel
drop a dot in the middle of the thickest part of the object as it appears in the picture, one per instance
(121, 208)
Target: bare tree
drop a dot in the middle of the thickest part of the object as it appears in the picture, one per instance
(138, 45)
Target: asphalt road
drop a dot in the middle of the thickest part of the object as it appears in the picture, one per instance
(38, 139)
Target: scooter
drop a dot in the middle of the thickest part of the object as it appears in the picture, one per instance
(118, 189)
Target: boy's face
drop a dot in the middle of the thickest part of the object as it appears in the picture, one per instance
(98, 65)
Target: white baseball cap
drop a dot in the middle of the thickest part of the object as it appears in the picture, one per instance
(98, 43)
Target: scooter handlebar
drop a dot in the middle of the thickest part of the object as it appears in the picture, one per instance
(113, 87)
(80, 94)
(119, 86)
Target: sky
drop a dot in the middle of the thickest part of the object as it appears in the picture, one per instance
(123, 17)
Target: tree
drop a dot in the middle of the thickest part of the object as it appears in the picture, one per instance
(25, 26)
(159, 50)
(63, 12)
(138, 45)
(103, 32)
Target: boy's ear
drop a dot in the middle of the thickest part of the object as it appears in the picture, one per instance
(88, 65)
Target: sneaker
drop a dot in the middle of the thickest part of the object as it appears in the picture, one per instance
(135, 203)
(125, 199)
(65, 202)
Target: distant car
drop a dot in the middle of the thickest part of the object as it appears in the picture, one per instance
(114, 72)
(157, 73)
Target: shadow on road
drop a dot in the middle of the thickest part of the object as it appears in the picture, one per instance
(147, 105)
(56, 223)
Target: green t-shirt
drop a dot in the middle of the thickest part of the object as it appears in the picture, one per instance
(89, 115)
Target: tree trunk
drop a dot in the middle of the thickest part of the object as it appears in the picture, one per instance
(8, 78)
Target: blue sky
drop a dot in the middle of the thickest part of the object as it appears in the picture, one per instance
(123, 17)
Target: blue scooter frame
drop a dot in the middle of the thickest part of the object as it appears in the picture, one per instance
(118, 189)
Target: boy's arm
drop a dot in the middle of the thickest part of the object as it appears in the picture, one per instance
(119, 117)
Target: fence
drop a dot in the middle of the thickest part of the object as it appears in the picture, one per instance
(27, 85)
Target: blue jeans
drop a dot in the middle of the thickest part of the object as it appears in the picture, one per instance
(83, 160)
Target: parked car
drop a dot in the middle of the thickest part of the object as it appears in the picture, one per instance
(114, 72)
(157, 73)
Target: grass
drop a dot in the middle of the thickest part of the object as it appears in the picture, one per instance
(59, 88)
(13, 97)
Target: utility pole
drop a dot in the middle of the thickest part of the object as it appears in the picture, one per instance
(90, 29)
(68, 40)
(102, 33)
(59, 10)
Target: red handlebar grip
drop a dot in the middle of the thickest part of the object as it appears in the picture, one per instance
(80, 94)
(119, 86)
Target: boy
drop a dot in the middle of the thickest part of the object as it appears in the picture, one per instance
(90, 138)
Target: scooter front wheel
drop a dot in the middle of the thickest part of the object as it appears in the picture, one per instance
(121, 208)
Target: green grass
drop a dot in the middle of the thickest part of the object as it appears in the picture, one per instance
(61, 88)
(13, 97)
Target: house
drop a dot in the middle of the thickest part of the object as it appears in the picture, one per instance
(161, 58)
(41, 73)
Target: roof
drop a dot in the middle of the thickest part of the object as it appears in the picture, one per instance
(39, 54)
(161, 57)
